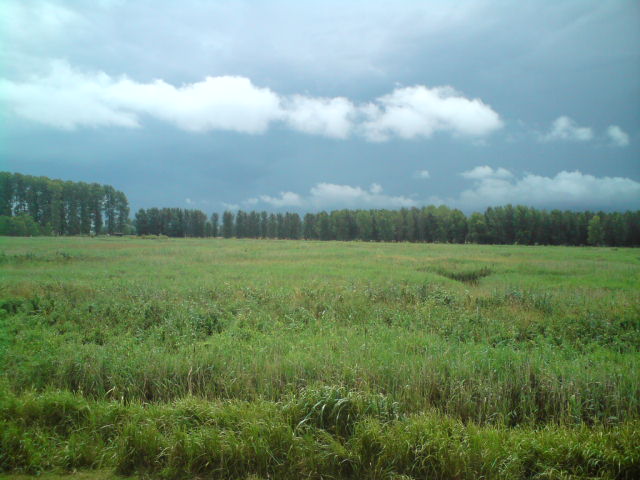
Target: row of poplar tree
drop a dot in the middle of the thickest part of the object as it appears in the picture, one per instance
(41, 206)
(497, 225)
(32, 205)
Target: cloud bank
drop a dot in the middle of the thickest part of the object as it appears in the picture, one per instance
(330, 195)
(564, 190)
(66, 98)
(491, 187)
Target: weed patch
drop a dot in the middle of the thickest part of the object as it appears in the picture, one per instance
(468, 276)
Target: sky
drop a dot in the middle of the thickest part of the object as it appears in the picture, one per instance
(308, 106)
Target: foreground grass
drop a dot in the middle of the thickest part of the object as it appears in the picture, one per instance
(76, 475)
(182, 358)
(325, 433)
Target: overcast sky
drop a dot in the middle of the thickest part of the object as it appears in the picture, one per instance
(285, 105)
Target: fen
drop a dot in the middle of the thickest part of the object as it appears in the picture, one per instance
(225, 358)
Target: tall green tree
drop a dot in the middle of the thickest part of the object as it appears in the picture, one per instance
(6, 193)
(141, 222)
(596, 232)
(323, 222)
(227, 224)
(309, 231)
(215, 218)
(477, 232)
(364, 225)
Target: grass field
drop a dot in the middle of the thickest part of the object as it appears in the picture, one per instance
(293, 359)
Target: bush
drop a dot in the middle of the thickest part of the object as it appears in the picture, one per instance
(19, 226)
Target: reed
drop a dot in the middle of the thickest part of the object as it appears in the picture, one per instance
(277, 359)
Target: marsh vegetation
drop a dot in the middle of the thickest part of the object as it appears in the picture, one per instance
(291, 359)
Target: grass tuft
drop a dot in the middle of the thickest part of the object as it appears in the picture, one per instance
(468, 276)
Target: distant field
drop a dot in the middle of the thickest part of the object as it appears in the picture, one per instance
(183, 358)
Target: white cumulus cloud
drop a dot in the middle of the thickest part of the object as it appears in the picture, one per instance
(419, 111)
(330, 195)
(485, 171)
(67, 98)
(564, 190)
(286, 199)
(490, 187)
(375, 188)
(324, 195)
(331, 117)
(216, 103)
(423, 174)
(564, 128)
(618, 137)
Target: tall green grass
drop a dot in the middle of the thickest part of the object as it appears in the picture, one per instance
(323, 433)
(227, 358)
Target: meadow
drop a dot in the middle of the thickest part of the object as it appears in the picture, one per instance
(221, 358)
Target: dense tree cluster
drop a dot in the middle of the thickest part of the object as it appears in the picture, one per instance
(497, 225)
(261, 225)
(20, 226)
(173, 222)
(57, 207)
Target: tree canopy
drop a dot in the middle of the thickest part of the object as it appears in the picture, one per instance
(61, 207)
(497, 225)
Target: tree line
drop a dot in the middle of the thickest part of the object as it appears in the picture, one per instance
(32, 205)
(175, 222)
(41, 206)
(497, 225)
